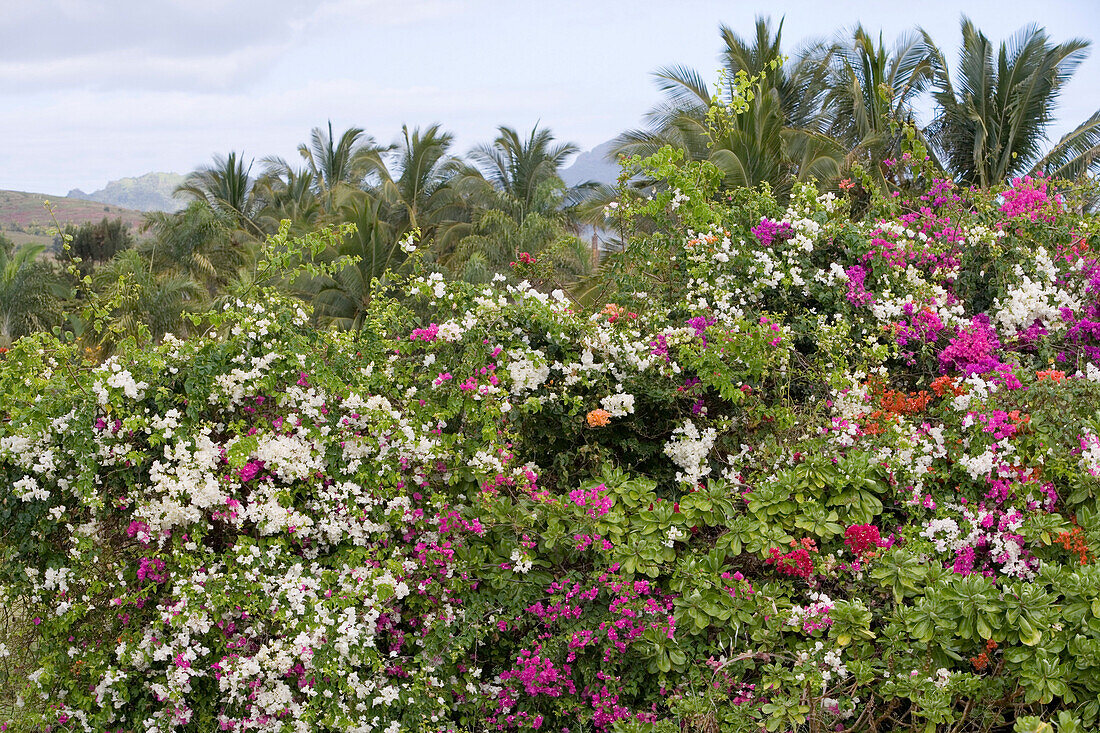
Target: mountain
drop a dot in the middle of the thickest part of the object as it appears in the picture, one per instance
(592, 165)
(151, 192)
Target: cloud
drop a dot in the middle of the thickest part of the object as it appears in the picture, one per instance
(134, 69)
(83, 138)
(379, 12)
(176, 44)
(51, 29)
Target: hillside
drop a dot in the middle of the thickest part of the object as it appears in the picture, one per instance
(150, 192)
(24, 217)
(592, 165)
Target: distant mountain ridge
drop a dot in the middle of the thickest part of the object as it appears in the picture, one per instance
(150, 192)
(592, 165)
(153, 191)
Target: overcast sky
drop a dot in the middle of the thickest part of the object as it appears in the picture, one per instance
(93, 90)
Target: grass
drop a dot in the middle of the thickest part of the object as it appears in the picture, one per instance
(21, 238)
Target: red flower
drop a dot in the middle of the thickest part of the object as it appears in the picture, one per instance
(862, 539)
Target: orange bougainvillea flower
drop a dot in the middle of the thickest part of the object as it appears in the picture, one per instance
(598, 418)
(943, 385)
(1074, 541)
(900, 403)
(1053, 375)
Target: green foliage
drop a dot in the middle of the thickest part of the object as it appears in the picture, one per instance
(736, 94)
(788, 460)
(994, 112)
(29, 292)
(749, 479)
(96, 243)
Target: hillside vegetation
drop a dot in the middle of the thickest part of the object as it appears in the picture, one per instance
(808, 442)
(803, 470)
(24, 216)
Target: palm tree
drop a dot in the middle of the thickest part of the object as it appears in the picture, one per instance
(199, 243)
(498, 239)
(226, 186)
(416, 191)
(337, 165)
(800, 85)
(993, 112)
(679, 121)
(344, 298)
(871, 92)
(1075, 154)
(515, 202)
(288, 194)
(518, 169)
(779, 138)
(30, 291)
(145, 302)
(759, 148)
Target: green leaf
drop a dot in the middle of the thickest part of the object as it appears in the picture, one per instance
(984, 629)
(1029, 635)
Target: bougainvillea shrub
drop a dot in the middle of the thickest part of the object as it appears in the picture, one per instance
(797, 471)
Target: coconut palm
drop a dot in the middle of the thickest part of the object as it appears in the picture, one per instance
(200, 243)
(679, 121)
(497, 235)
(344, 298)
(497, 241)
(512, 179)
(30, 291)
(1075, 154)
(226, 186)
(288, 194)
(756, 147)
(145, 302)
(871, 92)
(337, 165)
(993, 111)
(800, 84)
(415, 186)
(759, 148)
(518, 169)
(778, 138)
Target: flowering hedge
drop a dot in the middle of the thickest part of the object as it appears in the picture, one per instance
(803, 471)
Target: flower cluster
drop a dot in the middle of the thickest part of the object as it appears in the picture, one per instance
(821, 448)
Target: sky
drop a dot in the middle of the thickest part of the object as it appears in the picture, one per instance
(94, 90)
